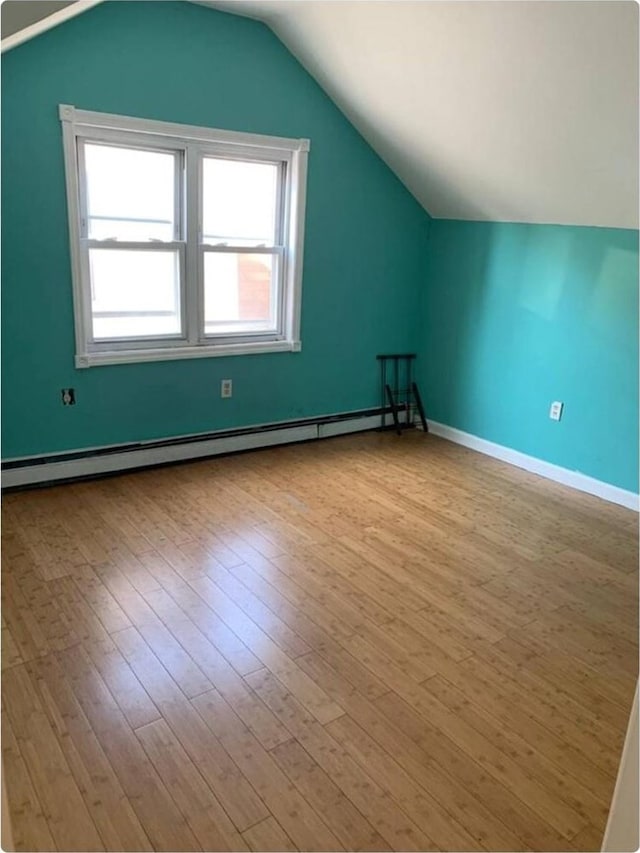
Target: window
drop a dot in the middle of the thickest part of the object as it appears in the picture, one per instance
(185, 241)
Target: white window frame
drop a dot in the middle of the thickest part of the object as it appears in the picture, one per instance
(190, 145)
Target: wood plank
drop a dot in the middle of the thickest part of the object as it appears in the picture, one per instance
(162, 821)
(183, 669)
(106, 802)
(498, 798)
(246, 704)
(342, 817)
(202, 811)
(131, 697)
(378, 662)
(268, 836)
(69, 821)
(57, 632)
(22, 623)
(98, 597)
(10, 651)
(545, 734)
(585, 685)
(565, 713)
(303, 825)
(494, 759)
(75, 610)
(237, 796)
(283, 592)
(588, 839)
(28, 822)
(416, 802)
(575, 805)
(457, 798)
(393, 825)
(215, 630)
(253, 607)
(310, 695)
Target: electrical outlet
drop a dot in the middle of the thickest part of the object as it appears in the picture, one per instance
(68, 397)
(226, 388)
(555, 412)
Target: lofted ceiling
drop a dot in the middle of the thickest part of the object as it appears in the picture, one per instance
(505, 110)
(17, 15)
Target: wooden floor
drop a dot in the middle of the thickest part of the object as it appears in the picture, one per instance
(367, 643)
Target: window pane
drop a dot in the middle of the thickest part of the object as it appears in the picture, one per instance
(239, 292)
(134, 293)
(130, 193)
(239, 201)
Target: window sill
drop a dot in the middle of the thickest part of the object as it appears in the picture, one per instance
(94, 359)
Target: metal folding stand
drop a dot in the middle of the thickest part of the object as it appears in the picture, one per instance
(399, 393)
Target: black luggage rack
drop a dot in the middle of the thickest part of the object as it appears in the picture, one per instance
(399, 393)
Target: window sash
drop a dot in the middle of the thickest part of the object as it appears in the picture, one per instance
(275, 333)
(115, 141)
(277, 249)
(281, 199)
(99, 344)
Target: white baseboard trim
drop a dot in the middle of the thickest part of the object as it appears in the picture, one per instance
(142, 456)
(574, 479)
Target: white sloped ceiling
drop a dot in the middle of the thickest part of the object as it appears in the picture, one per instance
(510, 111)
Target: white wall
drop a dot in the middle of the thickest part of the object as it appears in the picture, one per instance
(622, 828)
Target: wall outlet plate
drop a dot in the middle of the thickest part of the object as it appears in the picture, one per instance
(555, 412)
(226, 388)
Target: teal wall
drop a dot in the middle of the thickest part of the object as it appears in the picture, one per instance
(516, 316)
(505, 317)
(365, 234)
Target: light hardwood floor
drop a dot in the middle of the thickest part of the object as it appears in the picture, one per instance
(368, 643)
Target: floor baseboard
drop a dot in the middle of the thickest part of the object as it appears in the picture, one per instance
(574, 479)
(17, 473)
(32, 471)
